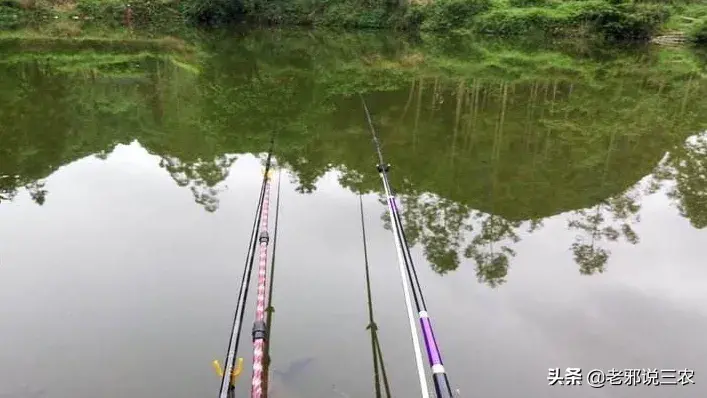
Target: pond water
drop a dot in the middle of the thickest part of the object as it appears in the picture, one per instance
(555, 196)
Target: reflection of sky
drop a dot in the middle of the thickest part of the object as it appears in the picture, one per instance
(121, 283)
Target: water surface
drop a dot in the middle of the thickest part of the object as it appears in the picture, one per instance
(555, 196)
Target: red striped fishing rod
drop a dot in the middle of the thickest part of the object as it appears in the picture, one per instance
(260, 330)
(270, 309)
(409, 274)
(227, 381)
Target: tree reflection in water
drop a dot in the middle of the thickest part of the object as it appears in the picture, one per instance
(484, 151)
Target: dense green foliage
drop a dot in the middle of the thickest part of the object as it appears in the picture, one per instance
(484, 135)
(15, 13)
(698, 32)
(612, 19)
(616, 21)
(445, 15)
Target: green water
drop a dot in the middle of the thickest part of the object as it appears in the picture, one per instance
(555, 196)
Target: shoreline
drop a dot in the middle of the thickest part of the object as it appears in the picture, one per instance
(572, 19)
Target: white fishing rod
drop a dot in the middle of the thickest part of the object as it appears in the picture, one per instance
(439, 375)
(382, 168)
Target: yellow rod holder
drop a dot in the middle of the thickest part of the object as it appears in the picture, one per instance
(234, 374)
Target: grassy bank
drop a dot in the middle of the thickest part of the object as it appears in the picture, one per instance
(611, 19)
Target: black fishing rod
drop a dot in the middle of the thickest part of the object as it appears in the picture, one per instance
(439, 375)
(227, 385)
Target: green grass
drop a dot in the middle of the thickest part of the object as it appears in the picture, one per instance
(698, 32)
(624, 21)
(685, 16)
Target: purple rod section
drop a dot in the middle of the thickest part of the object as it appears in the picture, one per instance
(430, 342)
(442, 387)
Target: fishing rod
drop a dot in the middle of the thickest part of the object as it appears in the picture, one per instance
(261, 327)
(227, 381)
(439, 375)
(372, 326)
(270, 309)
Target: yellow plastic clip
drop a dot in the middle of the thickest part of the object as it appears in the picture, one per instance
(234, 374)
(269, 176)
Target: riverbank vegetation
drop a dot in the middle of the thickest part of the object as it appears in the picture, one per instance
(612, 19)
(698, 32)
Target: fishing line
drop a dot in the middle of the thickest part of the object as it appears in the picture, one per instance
(439, 375)
(227, 387)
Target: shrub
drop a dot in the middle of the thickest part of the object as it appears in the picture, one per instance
(144, 12)
(528, 3)
(17, 13)
(274, 11)
(104, 10)
(514, 21)
(622, 21)
(352, 15)
(629, 21)
(414, 16)
(10, 16)
(698, 33)
(444, 15)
